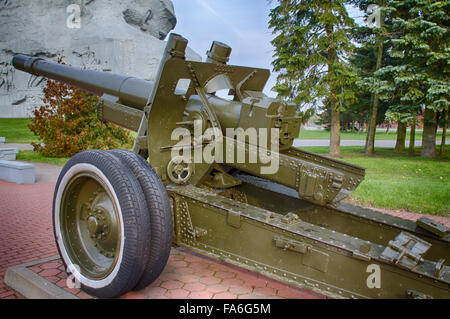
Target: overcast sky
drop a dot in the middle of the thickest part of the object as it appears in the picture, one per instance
(242, 24)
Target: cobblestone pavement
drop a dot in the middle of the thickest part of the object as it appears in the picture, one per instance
(26, 235)
(191, 276)
(25, 227)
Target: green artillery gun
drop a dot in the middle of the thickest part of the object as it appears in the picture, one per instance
(221, 177)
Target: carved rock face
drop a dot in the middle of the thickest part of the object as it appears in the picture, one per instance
(120, 36)
(154, 17)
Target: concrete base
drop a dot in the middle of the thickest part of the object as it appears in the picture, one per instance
(33, 286)
(17, 172)
(8, 154)
(20, 147)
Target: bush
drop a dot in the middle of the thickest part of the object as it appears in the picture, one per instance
(67, 123)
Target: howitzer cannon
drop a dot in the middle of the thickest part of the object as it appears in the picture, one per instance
(220, 177)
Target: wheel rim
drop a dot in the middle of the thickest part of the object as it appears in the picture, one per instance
(89, 224)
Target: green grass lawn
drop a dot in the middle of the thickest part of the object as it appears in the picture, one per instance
(16, 131)
(325, 135)
(32, 156)
(399, 182)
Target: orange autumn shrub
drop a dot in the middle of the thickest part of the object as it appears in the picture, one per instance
(67, 123)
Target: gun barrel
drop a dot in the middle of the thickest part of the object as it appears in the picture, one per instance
(131, 91)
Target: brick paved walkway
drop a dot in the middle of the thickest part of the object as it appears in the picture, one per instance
(25, 226)
(26, 235)
(191, 276)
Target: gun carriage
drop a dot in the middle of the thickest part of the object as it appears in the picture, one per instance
(117, 213)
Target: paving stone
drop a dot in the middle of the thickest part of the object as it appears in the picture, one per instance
(36, 269)
(167, 276)
(210, 280)
(7, 294)
(133, 295)
(153, 292)
(205, 273)
(179, 264)
(225, 295)
(177, 294)
(246, 275)
(265, 291)
(199, 266)
(201, 295)
(276, 285)
(49, 272)
(240, 290)
(294, 294)
(256, 282)
(185, 270)
(250, 296)
(156, 283)
(62, 283)
(216, 288)
(194, 287)
(225, 274)
(194, 259)
(83, 295)
(172, 284)
(51, 265)
(233, 282)
(188, 278)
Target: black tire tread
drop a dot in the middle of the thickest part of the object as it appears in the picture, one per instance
(161, 223)
(135, 218)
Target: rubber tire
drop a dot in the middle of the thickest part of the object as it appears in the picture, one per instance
(136, 223)
(161, 222)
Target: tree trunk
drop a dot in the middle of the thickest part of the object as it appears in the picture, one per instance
(370, 136)
(367, 138)
(372, 130)
(444, 131)
(388, 127)
(335, 138)
(429, 134)
(412, 137)
(370, 144)
(401, 136)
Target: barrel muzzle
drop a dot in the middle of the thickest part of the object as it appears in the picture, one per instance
(24, 63)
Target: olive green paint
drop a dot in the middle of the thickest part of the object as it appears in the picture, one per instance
(290, 225)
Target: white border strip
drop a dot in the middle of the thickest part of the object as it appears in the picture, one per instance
(76, 169)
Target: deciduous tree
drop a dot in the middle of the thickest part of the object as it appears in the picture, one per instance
(67, 123)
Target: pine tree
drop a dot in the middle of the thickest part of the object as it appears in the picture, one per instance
(365, 62)
(376, 43)
(419, 76)
(311, 55)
